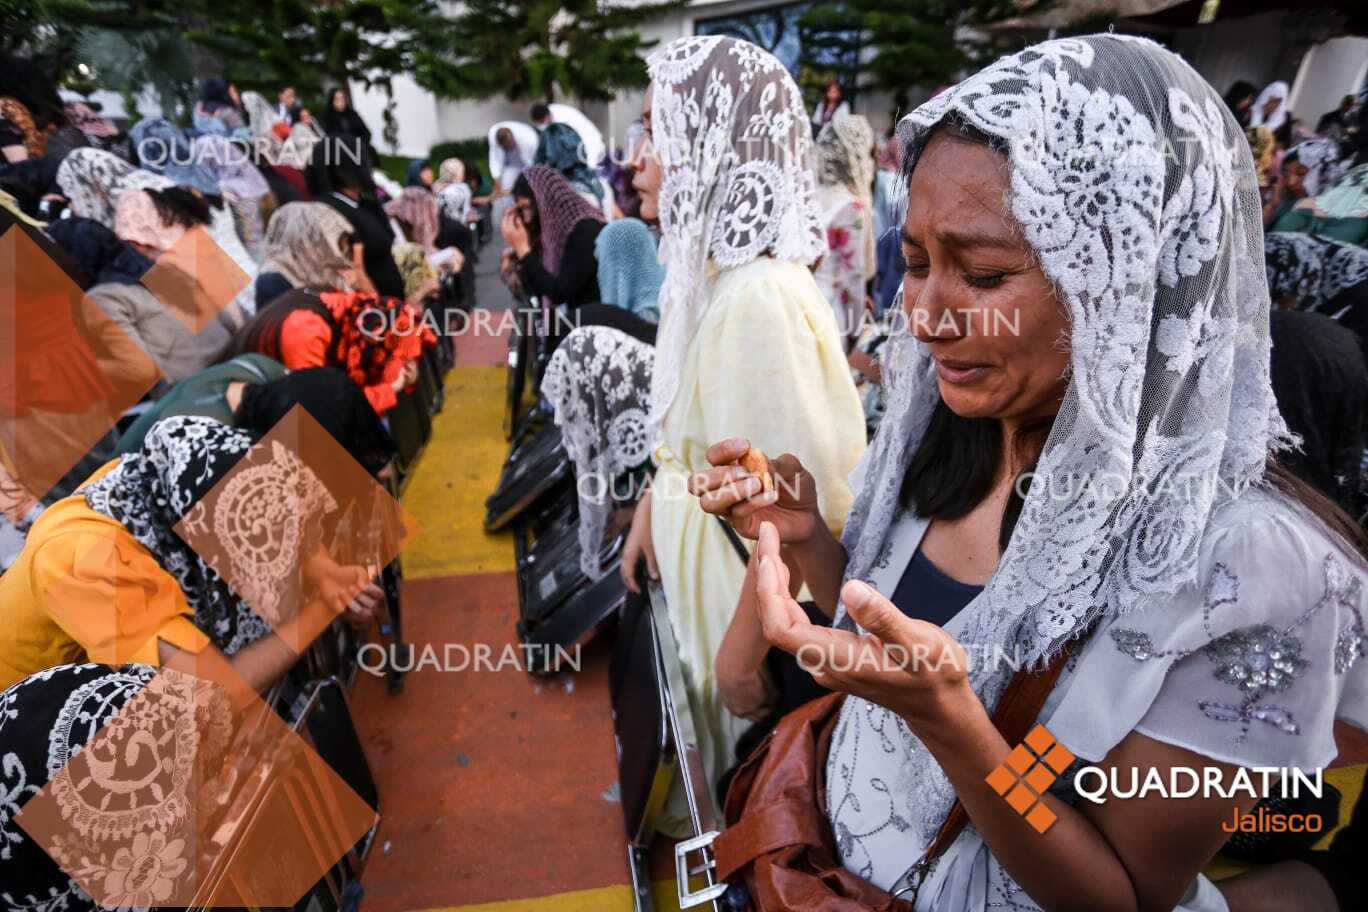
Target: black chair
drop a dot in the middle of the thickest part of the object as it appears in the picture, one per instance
(658, 744)
(318, 714)
(536, 468)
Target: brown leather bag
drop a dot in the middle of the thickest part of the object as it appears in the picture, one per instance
(778, 837)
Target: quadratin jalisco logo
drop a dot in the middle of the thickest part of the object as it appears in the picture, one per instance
(1027, 774)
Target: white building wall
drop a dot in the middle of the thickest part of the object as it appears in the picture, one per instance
(1258, 48)
(1328, 72)
(425, 120)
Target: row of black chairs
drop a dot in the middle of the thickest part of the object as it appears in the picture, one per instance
(561, 607)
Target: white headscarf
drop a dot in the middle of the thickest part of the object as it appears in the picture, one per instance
(1134, 187)
(731, 132)
(1323, 162)
(261, 114)
(1257, 117)
(845, 158)
(92, 180)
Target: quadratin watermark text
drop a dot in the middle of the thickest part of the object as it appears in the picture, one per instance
(377, 659)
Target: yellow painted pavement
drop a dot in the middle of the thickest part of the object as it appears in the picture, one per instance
(458, 471)
(602, 899)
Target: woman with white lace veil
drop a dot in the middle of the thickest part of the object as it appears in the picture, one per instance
(845, 178)
(739, 312)
(1094, 475)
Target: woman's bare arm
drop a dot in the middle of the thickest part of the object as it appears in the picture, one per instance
(1125, 855)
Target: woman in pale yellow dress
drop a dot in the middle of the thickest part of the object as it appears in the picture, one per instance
(730, 175)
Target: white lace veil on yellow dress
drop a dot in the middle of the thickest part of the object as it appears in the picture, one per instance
(747, 345)
(1219, 616)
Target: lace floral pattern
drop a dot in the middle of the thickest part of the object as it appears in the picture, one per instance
(1310, 271)
(150, 491)
(1132, 185)
(732, 136)
(598, 382)
(92, 180)
(123, 753)
(304, 244)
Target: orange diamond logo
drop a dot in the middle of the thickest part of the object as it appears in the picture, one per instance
(296, 519)
(196, 279)
(67, 372)
(1027, 773)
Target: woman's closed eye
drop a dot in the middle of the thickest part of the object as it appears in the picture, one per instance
(984, 280)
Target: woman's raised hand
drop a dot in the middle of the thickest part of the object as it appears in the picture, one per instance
(515, 233)
(729, 491)
(913, 668)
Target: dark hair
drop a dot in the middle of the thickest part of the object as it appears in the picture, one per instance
(540, 111)
(1239, 91)
(1338, 523)
(178, 206)
(27, 81)
(261, 334)
(1284, 133)
(333, 95)
(959, 459)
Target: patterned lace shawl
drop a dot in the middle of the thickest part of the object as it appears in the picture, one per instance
(559, 209)
(150, 491)
(735, 149)
(598, 382)
(93, 179)
(303, 244)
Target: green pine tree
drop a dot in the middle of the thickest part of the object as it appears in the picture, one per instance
(540, 49)
(266, 44)
(52, 30)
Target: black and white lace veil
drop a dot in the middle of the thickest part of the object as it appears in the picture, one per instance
(731, 132)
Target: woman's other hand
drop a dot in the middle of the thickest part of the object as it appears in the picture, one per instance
(515, 233)
(729, 491)
(913, 668)
(639, 546)
(407, 377)
(334, 584)
(362, 611)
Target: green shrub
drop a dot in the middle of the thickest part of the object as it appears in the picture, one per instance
(474, 152)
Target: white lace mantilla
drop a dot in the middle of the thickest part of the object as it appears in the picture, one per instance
(1134, 187)
(599, 381)
(729, 126)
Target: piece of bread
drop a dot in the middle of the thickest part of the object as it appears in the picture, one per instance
(755, 462)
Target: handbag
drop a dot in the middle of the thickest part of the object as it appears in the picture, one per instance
(778, 838)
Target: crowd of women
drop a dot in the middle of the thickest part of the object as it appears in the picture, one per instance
(1104, 426)
(1147, 489)
(177, 292)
